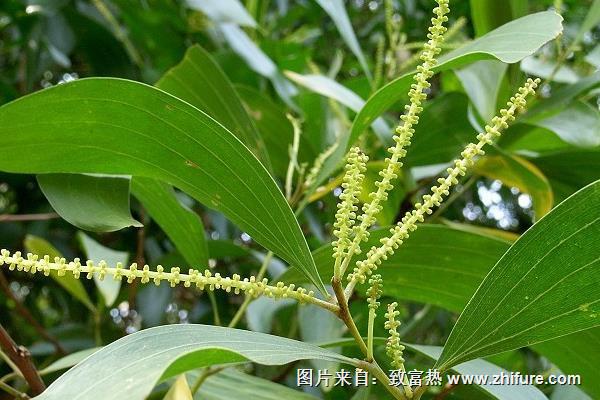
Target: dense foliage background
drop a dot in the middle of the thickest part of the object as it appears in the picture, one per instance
(538, 164)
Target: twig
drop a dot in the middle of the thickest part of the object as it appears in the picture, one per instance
(24, 312)
(22, 359)
(27, 217)
(203, 376)
(12, 391)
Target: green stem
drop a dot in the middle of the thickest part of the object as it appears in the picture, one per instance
(370, 334)
(242, 310)
(215, 307)
(344, 314)
(118, 32)
(12, 391)
(203, 376)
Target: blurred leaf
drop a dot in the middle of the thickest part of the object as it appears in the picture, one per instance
(199, 80)
(547, 285)
(182, 225)
(261, 312)
(37, 245)
(515, 171)
(224, 11)
(443, 131)
(275, 129)
(333, 90)
(546, 69)
(391, 207)
(480, 367)
(180, 390)
(219, 249)
(577, 353)
(592, 19)
(258, 61)
(569, 171)
(337, 12)
(175, 349)
(569, 392)
(69, 360)
(481, 81)
(232, 384)
(319, 325)
(92, 203)
(577, 124)
(509, 43)
(95, 251)
(135, 129)
(489, 14)
(483, 230)
(435, 265)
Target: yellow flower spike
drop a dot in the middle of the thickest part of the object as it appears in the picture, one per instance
(393, 348)
(202, 280)
(404, 131)
(409, 222)
(345, 217)
(373, 294)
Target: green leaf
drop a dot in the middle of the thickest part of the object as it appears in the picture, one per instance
(515, 171)
(95, 251)
(388, 213)
(276, 130)
(114, 126)
(168, 351)
(232, 384)
(329, 88)
(482, 81)
(546, 286)
(69, 360)
(200, 81)
(546, 69)
(489, 14)
(224, 11)
(180, 390)
(37, 245)
(443, 131)
(577, 124)
(336, 10)
(509, 43)
(92, 203)
(592, 19)
(577, 353)
(182, 225)
(258, 61)
(481, 367)
(569, 171)
(435, 265)
(261, 312)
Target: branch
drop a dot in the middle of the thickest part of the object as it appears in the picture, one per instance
(24, 312)
(22, 359)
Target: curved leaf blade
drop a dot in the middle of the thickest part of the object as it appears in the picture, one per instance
(113, 372)
(114, 126)
(507, 43)
(546, 286)
(91, 203)
(182, 225)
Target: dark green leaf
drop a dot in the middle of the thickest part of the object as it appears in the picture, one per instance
(546, 286)
(92, 203)
(114, 126)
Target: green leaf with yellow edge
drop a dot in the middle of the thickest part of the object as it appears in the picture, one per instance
(513, 170)
(41, 247)
(115, 126)
(547, 285)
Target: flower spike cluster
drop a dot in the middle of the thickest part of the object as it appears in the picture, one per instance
(409, 222)
(345, 217)
(375, 291)
(394, 349)
(203, 281)
(405, 130)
